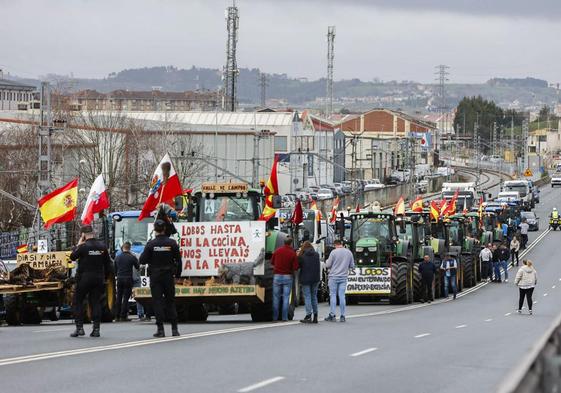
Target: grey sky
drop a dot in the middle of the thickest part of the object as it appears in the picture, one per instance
(392, 39)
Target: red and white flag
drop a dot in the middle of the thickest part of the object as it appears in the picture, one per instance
(96, 202)
(164, 187)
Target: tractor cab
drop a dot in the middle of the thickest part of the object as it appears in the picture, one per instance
(373, 238)
(218, 202)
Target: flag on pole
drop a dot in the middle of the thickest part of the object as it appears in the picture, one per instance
(357, 210)
(452, 205)
(399, 207)
(334, 208)
(465, 209)
(59, 205)
(314, 207)
(298, 213)
(417, 205)
(164, 187)
(271, 189)
(96, 202)
(434, 210)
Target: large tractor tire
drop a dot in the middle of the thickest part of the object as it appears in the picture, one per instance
(197, 312)
(417, 283)
(32, 314)
(400, 283)
(438, 283)
(469, 271)
(108, 300)
(263, 312)
(13, 311)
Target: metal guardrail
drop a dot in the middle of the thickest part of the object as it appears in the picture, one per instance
(540, 369)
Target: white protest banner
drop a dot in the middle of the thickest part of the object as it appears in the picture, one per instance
(205, 246)
(369, 281)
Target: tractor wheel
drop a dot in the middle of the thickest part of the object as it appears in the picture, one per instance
(32, 315)
(438, 283)
(182, 312)
(417, 283)
(108, 301)
(197, 312)
(13, 315)
(400, 286)
(469, 271)
(228, 309)
(263, 312)
(477, 267)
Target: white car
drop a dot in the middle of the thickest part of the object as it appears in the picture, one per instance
(556, 179)
(324, 193)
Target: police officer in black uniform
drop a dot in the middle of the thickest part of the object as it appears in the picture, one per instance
(94, 266)
(164, 263)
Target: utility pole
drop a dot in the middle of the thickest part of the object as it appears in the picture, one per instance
(525, 130)
(494, 140)
(263, 83)
(231, 68)
(512, 138)
(330, 57)
(441, 77)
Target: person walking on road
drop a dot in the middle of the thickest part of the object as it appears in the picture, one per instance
(515, 249)
(496, 264)
(486, 258)
(310, 275)
(450, 267)
(164, 264)
(339, 262)
(124, 264)
(285, 263)
(524, 227)
(526, 279)
(427, 269)
(94, 267)
(504, 257)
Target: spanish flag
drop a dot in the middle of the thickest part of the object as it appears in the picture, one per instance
(399, 207)
(59, 205)
(417, 205)
(271, 189)
(434, 210)
(22, 249)
(334, 208)
(314, 207)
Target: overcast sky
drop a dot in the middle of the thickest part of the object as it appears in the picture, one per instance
(388, 39)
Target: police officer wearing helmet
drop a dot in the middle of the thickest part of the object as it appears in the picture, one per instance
(94, 267)
(554, 214)
(164, 263)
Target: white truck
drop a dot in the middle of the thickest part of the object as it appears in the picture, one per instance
(524, 189)
(467, 194)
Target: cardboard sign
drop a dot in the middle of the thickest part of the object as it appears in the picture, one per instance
(224, 188)
(369, 281)
(44, 260)
(205, 246)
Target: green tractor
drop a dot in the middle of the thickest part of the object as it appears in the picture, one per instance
(379, 271)
(464, 233)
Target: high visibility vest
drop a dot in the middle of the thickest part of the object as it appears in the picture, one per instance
(555, 214)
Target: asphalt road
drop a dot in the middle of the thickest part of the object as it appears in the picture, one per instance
(465, 345)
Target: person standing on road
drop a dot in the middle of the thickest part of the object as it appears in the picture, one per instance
(285, 263)
(524, 227)
(515, 249)
(450, 267)
(164, 264)
(427, 269)
(124, 264)
(504, 257)
(486, 258)
(526, 279)
(94, 267)
(310, 275)
(496, 264)
(339, 262)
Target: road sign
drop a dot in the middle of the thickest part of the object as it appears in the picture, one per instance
(528, 173)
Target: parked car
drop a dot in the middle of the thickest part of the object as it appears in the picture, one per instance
(373, 184)
(347, 187)
(325, 193)
(421, 187)
(495, 159)
(532, 220)
(401, 175)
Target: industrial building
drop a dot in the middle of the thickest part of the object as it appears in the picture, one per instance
(14, 95)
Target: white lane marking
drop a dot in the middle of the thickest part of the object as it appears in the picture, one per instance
(545, 294)
(553, 287)
(507, 314)
(489, 320)
(460, 326)
(52, 330)
(360, 353)
(260, 385)
(422, 335)
(535, 301)
(131, 344)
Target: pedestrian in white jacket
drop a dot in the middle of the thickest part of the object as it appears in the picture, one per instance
(526, 279)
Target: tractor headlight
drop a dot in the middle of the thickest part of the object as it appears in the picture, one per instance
(372, 249)
(359, 249)
(360, 261)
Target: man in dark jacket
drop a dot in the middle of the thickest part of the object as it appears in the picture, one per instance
(285, 263)
(427, 269)
(124, 263)
(310, 276)
(94, 267)
(164, 262)
(504, 256)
